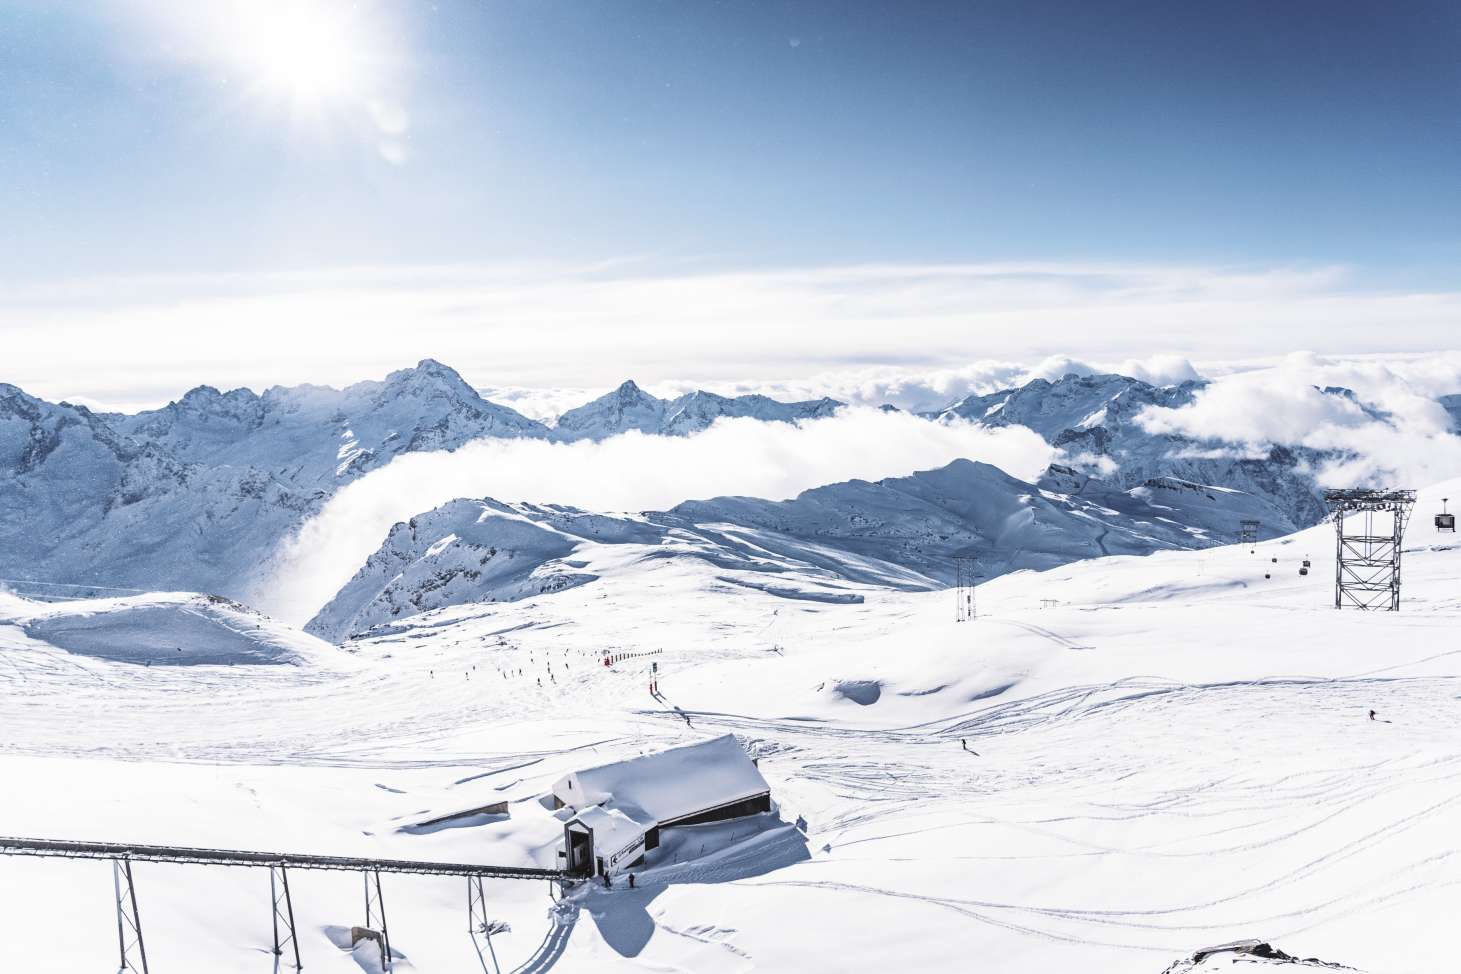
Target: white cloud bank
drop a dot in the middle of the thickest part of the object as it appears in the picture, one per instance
(1405, 440)
(916, 390)
(629, 472)
(141, 341)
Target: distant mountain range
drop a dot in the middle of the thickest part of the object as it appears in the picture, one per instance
(1093, 419)
(903, 533)
(631, 408)
(197, 495)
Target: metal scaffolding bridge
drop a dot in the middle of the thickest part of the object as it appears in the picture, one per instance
(63, 849)
(129, 922)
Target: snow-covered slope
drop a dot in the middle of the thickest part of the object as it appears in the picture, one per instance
(1120, 764)
(903, 532)
(631, 408)
(1093, 418)
(165, 629)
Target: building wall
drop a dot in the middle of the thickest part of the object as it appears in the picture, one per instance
(746, 806)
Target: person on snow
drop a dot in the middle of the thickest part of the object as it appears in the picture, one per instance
(1372, 715)
(631, 880)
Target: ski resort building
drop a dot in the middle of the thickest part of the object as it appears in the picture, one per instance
(620, 808)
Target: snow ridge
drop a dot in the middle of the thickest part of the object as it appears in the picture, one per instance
(901, 533)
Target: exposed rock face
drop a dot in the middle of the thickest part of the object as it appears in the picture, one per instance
(1245, 955)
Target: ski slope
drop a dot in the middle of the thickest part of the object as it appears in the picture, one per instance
(1170, 752)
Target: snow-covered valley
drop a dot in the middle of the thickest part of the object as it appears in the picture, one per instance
(1165, 753)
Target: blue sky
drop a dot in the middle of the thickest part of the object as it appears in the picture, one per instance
(148, 141)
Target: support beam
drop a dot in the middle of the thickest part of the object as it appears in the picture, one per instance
(375, 917)
(478, 925)
(129, 923)
(283, 911)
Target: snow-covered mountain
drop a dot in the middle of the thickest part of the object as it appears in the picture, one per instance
(318, 436)
(631, 408)
(901, 533)
(83, 503)
(197, 494)
(1093, 418)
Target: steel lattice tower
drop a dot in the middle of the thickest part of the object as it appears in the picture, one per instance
(964, 588)
(1248, 531)
(1369, 530)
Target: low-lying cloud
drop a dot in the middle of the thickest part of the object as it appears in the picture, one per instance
(1392, 428)
(930, 390)
(916, 390)
(628, 472)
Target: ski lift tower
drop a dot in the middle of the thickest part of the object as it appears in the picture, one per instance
(964, 588)
(1248, 531)
(1369, 527)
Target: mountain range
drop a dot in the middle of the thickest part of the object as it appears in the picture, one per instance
(903, 533)
(198, 494)
(1094, 419)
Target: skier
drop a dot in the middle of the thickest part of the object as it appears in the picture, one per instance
(1372, 715)
(608, 883)
(631, 880)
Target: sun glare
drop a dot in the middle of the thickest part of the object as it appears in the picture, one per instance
(308, 52)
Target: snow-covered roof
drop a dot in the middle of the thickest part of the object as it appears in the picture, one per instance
(668, 785)
(613, 830)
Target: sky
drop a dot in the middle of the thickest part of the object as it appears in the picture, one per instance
(564, 194)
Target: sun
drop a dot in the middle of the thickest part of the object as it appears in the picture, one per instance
(308, 52)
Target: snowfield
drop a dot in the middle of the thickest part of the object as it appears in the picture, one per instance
(1122, 762)
(167, 629)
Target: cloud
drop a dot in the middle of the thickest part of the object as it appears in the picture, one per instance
(1403, 439)
(928, 390)
(629, 472)
(904, 333)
